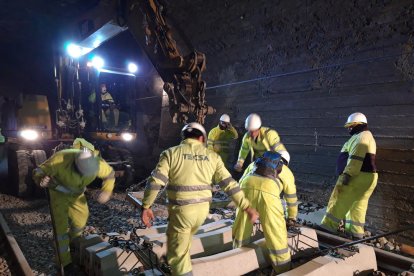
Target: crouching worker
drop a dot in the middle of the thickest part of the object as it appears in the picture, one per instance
(262, 188)
(189, 170)
(66, 175)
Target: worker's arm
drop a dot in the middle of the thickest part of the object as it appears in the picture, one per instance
(223, 178)
(158, 179)
(210, 139)
(247, 171)
(233, 132)
(289, 191)
(47, 168)
(357, 151)
(274, 141)
(107, 174)
(244, 149)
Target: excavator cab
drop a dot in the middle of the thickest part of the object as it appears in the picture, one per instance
(110, 104)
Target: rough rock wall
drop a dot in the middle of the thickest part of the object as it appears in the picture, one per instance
(304, 66)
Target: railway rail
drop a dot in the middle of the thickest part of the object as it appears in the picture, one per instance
(12, 260)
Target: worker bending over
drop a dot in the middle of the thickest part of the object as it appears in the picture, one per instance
(287, 179)
(262, 187)
(257, 140)
(189, 170)
(356, 182)
(66, 175)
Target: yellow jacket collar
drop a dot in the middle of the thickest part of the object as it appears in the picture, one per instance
(191, 141)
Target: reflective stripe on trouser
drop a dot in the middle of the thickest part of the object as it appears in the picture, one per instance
(183, 223)
(64, 208)
(274, 227)
(350, 202)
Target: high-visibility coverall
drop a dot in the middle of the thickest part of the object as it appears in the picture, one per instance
(263, 194)
(350, 202)
(189, 169)
(219, 141)
(80, 143)
(287, 180)
(267, 140)
(67, 200)
(107, 97)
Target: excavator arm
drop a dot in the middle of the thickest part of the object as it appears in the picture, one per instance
(147, 22)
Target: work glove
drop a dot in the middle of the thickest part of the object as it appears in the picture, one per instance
(47, 182)
(147, 216)
(344, 179)
(252, 214)
(238, 167)
(103, 197)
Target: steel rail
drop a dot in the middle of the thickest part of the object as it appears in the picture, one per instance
(19, 263)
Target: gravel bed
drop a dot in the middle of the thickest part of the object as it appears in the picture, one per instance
(29, 221)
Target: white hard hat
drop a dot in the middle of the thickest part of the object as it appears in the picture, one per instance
(191, 126)
(285, 155)
(225, 118)
(253, 122)
(356, 118)
(86, 163)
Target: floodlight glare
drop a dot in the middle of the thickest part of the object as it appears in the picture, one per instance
(127, 136)
(74, 50)
(29, 134)
(98, 62)
(132, 67)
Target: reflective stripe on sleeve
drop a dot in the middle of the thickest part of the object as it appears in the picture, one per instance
(160, 176)
(234, 191)
(290, 195)
(182, 188)
(274, 147)
(225, 182)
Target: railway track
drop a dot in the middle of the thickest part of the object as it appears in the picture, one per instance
(386, 261)
(12, 260)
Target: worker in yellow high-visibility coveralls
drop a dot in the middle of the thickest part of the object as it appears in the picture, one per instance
(66, 175)
(189, 170)
(356, 182)
(287, 180)
(80, 143)
(263, 187)
(219, 138)
(257, 140)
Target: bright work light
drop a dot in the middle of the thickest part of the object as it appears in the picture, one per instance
(98, 62)
(132, 67)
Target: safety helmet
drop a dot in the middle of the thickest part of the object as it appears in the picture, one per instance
(253, 122)
(268, 164)
(285, 156)
(86, 163)
(188, 128)
(355, 119)
(225, 118)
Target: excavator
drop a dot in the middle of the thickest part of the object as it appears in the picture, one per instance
(147, 22)
(80, 112)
